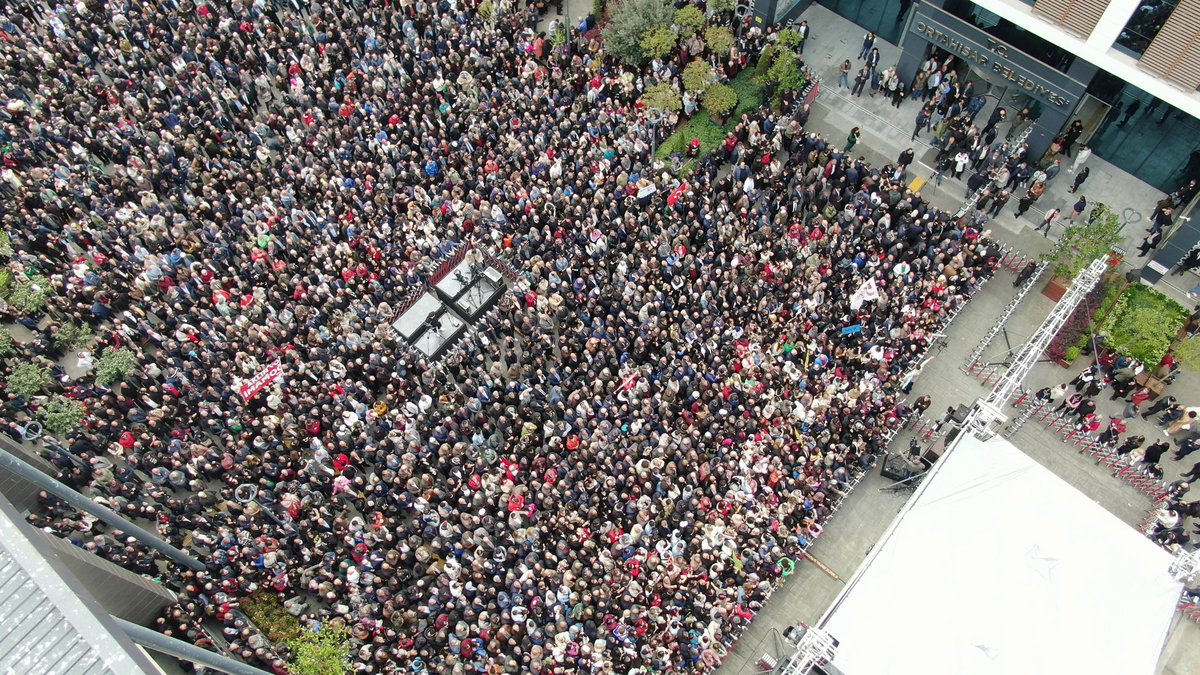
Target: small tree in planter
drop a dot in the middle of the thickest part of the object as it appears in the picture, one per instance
(720, 40)
(28, 379)
(662, 97)
(689, 19)
(69, 336)
(1079, 246)
(61, 415)
(30, 295)
(719, 100)
(629, 22)
(698, 76)
(114, 365)
(558, 39)
(6, 249)
(324, 653)
(7, 346)
(785, 72)
(721, 5)
(659, 41)
(789, 39)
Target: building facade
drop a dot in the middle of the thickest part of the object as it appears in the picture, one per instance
(1128, 69)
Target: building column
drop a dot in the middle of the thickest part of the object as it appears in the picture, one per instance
(762, 13)
(1111, 23)
(1170, 253)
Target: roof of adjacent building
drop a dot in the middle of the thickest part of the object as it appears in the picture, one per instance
(48, 625)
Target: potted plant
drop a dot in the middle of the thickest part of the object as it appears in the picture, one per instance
(28, 379)
(720, 40)
(698, 76)
(7, 346)
(322, 653)
(71, 336)
(28, 296)
(659, 42)
(61, 415)
(689, 19)
(114, 365)
(662, 97)
(719, 100)
(630, 22)
(786, 75)
(1079, 246)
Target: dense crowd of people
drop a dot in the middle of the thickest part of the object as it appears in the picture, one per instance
(611, 473)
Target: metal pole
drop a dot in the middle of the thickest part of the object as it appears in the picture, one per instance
(179, 649)
(113, 519)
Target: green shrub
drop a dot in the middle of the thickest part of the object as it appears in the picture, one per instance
(659, 41)
(485, 10)
(7, 346)
(711, 134)
(720, 40)
(69, 336)
(789, 38)
(750, 95)
(721, 5)
(28, 379)
(324, 653)
(698, 75)
(1143, 324)
(629, 22)
(30, 295)
(61, 415)
(786, 73)
(558, 39)
(1084, 242)
(114, 365)
(765, 59)
(267, 613)
(689, 19)
(719, 100)
(662, 97)
(598, 7)
(1072, 354)
(6, 249)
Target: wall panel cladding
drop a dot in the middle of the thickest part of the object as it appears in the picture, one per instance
(1174, 55)
(1075, 16)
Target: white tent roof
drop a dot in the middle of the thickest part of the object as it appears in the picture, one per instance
(999, 567)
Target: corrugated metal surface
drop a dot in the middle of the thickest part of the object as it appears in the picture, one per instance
(1174, 55)
(1075, 16)
(35, 637)
(49, 623)
(120, 592)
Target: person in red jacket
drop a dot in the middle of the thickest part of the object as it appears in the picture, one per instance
(1116, 427)
(1139, 397)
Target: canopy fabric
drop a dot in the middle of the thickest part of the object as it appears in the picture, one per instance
(1000, 567)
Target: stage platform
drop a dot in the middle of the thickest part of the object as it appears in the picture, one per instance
(471, 286)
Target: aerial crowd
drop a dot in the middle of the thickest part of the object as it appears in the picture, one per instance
(615, 467)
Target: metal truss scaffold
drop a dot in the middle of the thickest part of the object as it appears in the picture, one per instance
(988, 413)
(1000, 323)
(815, 647)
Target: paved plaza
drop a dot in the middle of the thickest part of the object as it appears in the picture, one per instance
(869, 511)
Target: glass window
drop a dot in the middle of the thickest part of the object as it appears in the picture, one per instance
(884, 18)
(1144, 136)
(1032, 44)
(1145, 23)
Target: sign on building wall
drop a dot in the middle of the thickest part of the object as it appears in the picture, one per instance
(981, 51)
